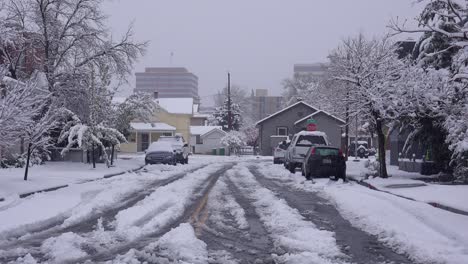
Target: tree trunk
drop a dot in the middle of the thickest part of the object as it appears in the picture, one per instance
(346, 146)
(94, 158)
(27, 162)
(381, 139)
(112, 155)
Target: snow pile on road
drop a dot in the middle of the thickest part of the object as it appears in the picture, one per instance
(422, 232)
(164, 205)
(221, 204)
(180, 245)
(67, 246)
(300, 238)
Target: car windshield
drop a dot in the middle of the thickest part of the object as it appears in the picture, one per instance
(327, 151)
(309, 140)
(160, 147)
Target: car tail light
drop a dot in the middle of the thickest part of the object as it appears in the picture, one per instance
(340, 153)
(312, 151)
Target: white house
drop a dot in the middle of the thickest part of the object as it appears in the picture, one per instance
(204, 139)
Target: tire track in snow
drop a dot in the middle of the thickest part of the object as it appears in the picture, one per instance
(194, 201)
(232, 230)
(359, 245)
(295, 239)
(32, 242)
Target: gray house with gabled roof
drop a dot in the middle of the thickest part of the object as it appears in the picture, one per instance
(292, 119)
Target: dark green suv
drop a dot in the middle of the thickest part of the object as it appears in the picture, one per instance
(324, 161)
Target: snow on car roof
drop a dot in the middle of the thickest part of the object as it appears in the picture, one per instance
(312, 133)
(160, 146)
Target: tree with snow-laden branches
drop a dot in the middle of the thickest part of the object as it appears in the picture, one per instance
(368, 67)
(22, 107)
(221, 116)
(444, 45)
(234, 140)
(93, 130)
(138, 106)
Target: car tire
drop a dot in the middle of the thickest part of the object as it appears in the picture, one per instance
(292, 168)
(308, 174)
(186, 160)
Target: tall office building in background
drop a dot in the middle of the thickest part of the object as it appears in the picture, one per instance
(317, 69)
(264, 105)
(168, 82)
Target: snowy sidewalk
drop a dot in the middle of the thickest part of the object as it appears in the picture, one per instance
(58, 174)
(402, 183)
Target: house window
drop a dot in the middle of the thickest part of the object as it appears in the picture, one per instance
(132, 138)
(167, 134)
(282, 131)
(199, 140)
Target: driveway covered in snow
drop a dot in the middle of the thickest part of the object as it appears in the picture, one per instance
(225, 210)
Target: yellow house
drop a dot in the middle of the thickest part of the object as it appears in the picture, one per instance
(172, 117)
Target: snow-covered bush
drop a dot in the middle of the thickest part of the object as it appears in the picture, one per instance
(233, 140)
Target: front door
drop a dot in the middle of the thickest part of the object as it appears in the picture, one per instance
(144, 141)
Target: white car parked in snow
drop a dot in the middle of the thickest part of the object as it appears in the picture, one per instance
(300, 144)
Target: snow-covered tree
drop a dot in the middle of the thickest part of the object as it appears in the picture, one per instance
(234, 140)
(93, 131)
(138, 106)
(368, 67)
(299, 87)
(20, 102)
(444, 45)
(221, 116)
(70, 35)
(251, 134)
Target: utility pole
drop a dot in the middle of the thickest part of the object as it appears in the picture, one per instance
(229, 103)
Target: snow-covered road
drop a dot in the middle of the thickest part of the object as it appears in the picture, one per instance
(214, 210)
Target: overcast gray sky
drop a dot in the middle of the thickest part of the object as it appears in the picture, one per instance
(258, 41)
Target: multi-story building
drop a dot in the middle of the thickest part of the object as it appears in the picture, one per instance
(264, 105)
(168, 82)
(312, 68)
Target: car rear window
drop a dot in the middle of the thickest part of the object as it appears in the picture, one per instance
(327, 151)
(309, 140)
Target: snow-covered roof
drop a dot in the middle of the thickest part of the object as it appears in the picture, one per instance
(176, 105)
(287, 108)
(316, 113)
(200, 115)
(151, 127)
(202, 130)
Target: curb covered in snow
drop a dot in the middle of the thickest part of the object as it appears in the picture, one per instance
(434, 204)
(106, 176)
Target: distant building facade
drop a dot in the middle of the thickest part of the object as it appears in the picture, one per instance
(317, 69)
(264, 105)
(168, 82)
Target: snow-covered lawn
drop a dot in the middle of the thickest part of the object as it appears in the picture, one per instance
(425, 233)
(54, 174)
(402, 183)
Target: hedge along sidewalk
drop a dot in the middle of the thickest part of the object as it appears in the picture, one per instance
(432, 203)
(57, 175)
